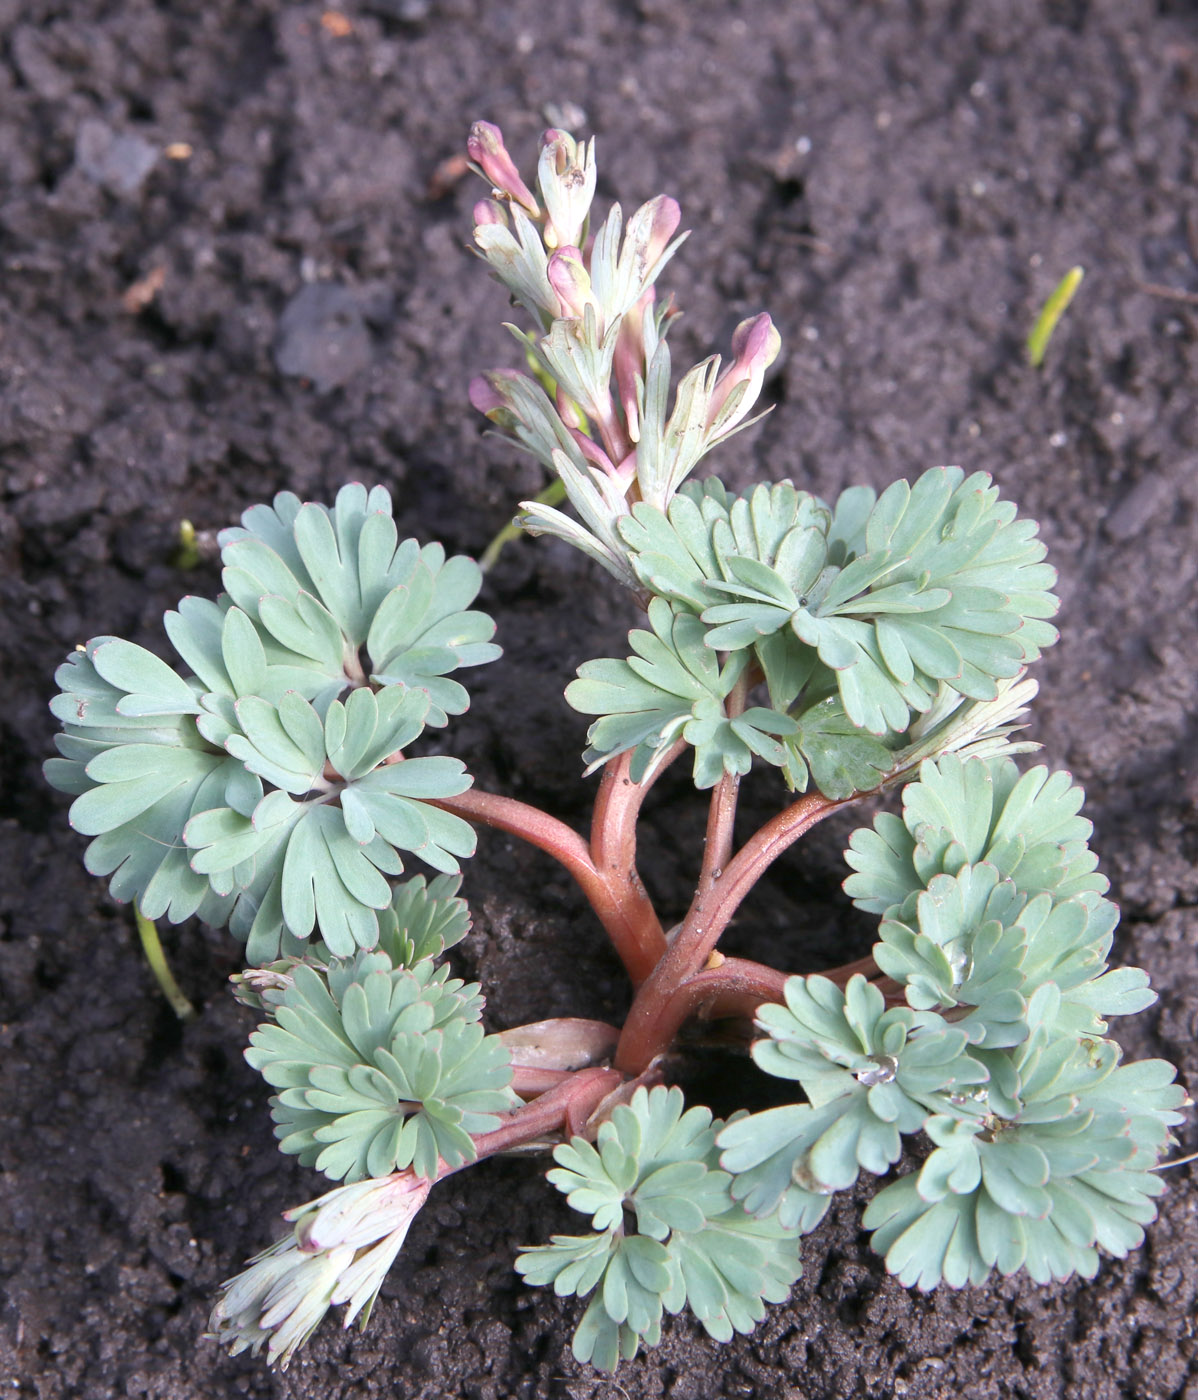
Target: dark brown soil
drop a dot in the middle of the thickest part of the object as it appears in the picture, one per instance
(900, 184)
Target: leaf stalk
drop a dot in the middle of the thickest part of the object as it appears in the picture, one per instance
(155, 956)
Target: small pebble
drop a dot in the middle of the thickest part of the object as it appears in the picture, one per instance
(1136, 511)
(119, 164)
(322, 336)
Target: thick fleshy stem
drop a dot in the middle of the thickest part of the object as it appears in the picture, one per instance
(613, 845)
(717, 847)
(615, 893)
(738, 987)
(655, 1018)
(727, 987)
(564, 1108)
(531, 1081)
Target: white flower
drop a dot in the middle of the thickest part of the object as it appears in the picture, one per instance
(566, 175)
(339, 1252)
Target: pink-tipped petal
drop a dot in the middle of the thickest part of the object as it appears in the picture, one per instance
(666, 217)
(755, 342)
(489, 211)
(485, 397)
(485, 148)
(561, 143)
(628, 362)
(591, 450)
(755, 346)
(568, 411)
(570, 280)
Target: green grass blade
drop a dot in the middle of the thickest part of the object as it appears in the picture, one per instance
(1054, 309)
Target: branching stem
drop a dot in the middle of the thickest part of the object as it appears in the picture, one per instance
(613, 850)
(626, 914)
(605, 870)
(562, 1109)
(672, 980)
(737, 987)
(658, 1011)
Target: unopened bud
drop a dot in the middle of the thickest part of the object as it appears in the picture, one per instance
(486, 395)
(755, 346)
(569, 412)
(756, 343)
(489, 211)
(629, 361)
(666, 216)
(559, 148)
(486, 150)
(571, 282)
(339, 1252)
(359, 1214)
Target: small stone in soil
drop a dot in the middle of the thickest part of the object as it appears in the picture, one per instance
(322, 336)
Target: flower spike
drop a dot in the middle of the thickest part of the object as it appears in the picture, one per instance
(339, 1252)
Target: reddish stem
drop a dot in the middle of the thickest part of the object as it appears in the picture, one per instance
(737, 987)
(618, 898)
(618, 805)
(721, 815)
(531, 1081)
(561, 1108)
(520, 819)
(651, 1024)
(613, 850)
(733, 987)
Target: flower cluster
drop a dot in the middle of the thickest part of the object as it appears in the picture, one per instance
(339, 1252)
(594, 403)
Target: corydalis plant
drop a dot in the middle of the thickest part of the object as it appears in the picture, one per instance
(273, 782)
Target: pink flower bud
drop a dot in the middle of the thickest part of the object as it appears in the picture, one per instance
(666, 218)
(485, 148)
(485, 394)
(591, 450)
(568, 411)
(339, 1252)
(361, 1214)
(489, 211)
(570, 280)
(755, 345)
(562, 144)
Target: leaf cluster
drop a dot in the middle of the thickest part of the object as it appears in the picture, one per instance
(870, 1073)
(856, 618)
(996, 933)
(380, 1062)
(424, 919)
(666, 1235)
(263, 789)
